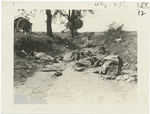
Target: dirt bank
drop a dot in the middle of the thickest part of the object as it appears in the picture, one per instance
(77, 88)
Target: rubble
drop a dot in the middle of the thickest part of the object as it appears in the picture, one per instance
(58, 73)
(125, 77)
(118, 78)
(129, 80)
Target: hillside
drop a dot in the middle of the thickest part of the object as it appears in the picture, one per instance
(36, 80)
(40, 42)
(127, 48)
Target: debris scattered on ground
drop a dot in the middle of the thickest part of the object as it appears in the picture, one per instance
(77, 67)
(118, 39)
(58, 73)
(95, 55)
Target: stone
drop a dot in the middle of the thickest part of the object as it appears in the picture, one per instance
(118, 39)
(118, 78)
(125, 77)
(79, 69)
(58, 73)
(61, 58)
(113, 77)
(136, 78)
(132, 75)
(97, 72)
(129, 80)
(134, 67)
(133, 78)
(104, 77)
(128, 72)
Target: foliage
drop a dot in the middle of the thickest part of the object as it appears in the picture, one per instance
(113, 32)
(73, 17)
(30, 43)
(77, 24)
(77, 16)
(40, 42)
(27, 12)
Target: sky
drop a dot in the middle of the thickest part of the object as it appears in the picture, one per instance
(97, 22)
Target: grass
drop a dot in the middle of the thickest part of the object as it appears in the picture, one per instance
(40, 42)
(127, 48)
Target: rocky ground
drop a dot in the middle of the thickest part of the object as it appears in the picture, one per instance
(74, 87)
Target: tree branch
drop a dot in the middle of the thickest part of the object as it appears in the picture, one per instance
(65, 15)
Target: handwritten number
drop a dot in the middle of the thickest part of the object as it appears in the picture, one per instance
(141, 13)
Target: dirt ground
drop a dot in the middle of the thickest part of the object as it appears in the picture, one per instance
(76, 88)
(80, 87)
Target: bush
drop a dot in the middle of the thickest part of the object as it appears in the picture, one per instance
(30, 43)
(113, 32)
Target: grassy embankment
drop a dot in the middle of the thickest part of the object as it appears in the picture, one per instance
(40, 42)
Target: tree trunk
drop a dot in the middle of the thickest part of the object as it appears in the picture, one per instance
(49, 23)
(72, 23)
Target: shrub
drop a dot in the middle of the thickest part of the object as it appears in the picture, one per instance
(30, 43)
(113, 32)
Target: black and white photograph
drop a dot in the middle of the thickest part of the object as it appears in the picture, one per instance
(77, 56)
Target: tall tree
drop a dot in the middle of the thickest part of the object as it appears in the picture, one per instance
(74, 19)
(49, 23)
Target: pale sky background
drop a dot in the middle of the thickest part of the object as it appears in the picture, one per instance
(96, 22)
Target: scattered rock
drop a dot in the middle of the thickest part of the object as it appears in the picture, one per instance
(61, 58)
(103, 77)
(37, 61)
(118, 39)
(132, 75)
(136, 78)
(79, 69)
(58, 73)
(129, 80)
(129, 72)
(125, 77)
(134, 67)
(133, 78)
(97, 72)
(118, 78)
(113, 77)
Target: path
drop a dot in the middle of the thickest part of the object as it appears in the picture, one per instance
(77, 88)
